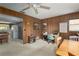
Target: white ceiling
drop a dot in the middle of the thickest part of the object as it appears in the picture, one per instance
(56, 9)
(9, 19)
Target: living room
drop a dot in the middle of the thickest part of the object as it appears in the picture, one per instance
(48, 18)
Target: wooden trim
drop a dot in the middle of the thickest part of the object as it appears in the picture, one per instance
(7, 11)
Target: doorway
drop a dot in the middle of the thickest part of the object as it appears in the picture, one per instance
(15, 27)
(16, 31)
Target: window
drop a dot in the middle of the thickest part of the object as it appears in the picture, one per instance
(74, 25)
(4, 27)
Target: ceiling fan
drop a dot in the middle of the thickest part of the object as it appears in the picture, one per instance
(35, 7)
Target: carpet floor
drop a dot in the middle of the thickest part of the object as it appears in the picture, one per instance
(16, 48)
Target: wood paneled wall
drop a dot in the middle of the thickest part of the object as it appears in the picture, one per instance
(53, 22)
(27, 22)
(28, 27)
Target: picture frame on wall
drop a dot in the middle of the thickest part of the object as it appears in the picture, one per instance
(36, 26)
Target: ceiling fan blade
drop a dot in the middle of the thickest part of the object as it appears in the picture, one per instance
(22, 12)
(25, 8)
(45, 7)
(35, 9)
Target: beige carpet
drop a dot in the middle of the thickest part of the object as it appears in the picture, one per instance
(16, 48)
